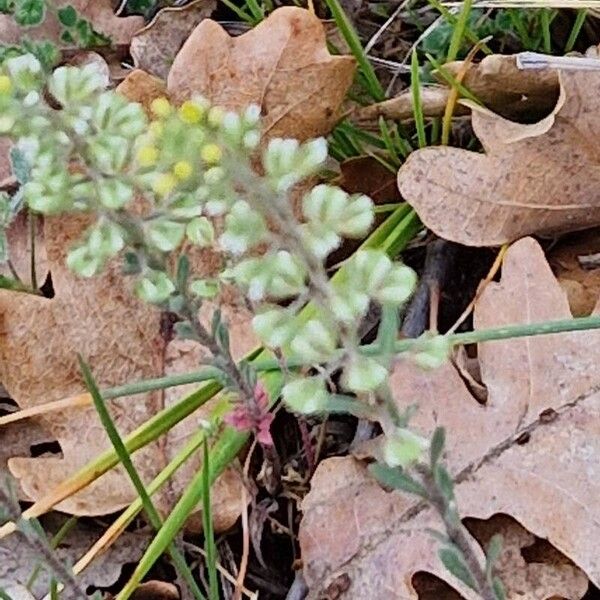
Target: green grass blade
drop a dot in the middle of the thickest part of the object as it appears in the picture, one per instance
(207, 524)
(459, 30)
(576, 29)
(372, 84)
(451, 80)
(415, 87)
(546, 37)
(125, 458)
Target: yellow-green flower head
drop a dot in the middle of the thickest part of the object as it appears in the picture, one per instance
(192, 112)
(211, 154)
(183, 169)
(161, 107)
(164, 184)
(5, 84)
(147, 155)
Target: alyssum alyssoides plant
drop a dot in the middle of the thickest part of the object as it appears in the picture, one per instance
(188, 174)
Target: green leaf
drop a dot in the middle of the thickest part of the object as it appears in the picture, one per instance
(67, 37)
(3, 247)
(493, 552)
(396, 479)
(183, 272)
(20, 165)
(29, 13)
(438, 441)
(7, 6)
(498, 588)
(210, 546)
(454, 562)
(444, 481)
(67, 16)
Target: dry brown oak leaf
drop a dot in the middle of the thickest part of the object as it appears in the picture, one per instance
(530, 452)
(99, 13)
(124, 340)
(154, 48)
(282, 64)
(541, 178)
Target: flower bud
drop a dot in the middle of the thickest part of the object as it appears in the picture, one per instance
(314, 342)
(403, 448)
(398, 287)
(155, 287)
(200, 231)
(244, 228)
(274, 327)
(357, 217)
(164, 234)
(307, 395)
(434, 353)
(364, 374)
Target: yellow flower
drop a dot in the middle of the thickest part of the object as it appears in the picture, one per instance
(156, 128)
(161, 107)
(183, 169)
(164, 184)
(5, 84)
(147, 156)
(211, 154)
(215, 116)
(191, 113)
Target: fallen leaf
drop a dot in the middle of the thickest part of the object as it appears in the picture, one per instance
(18, 560)
(541, 178)
(154, 47)
(529, 452)
(283, 65)
(366, 175)
(155, 590)
(98, 12)
(496, 81)
(576, 264)
(142, 87)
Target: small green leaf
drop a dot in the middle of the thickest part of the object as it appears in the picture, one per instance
(29, 13)
(67, 16)
(7, 6)
(498, 589)
(396, 479)
(183, 272)
(67, 37)
(455, 563)
(493, 552)
(444, 481)
(438, 441)
(20, 165)
(3, 247)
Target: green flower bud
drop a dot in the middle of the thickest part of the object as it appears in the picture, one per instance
(398, 287)
(105, 239)
(371, 268)
(83, 263)
(186, 206)
(325, 204)
(200, 231)
(315, 342)
(164, 234)
(25, 72)
(349, 304)
(364, 374)
(307, 395)
(274, 327)
(434, 353)
(108, 153)
(357, 217)
(403, 448)
(244, 228)
(113, 193)
(319, 238)
(76, 85)
(204, 288)
(155, 287)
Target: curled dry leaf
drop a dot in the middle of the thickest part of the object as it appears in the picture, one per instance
(541, 178)
(124, 340)
(283, 65)
(575, 261)
(18, 560)
(529, 452)
(154, 48)
(496, 81)
(98, 12)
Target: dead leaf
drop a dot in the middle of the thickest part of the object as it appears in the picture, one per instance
(530, 452)
(576, 263)
(142, 87)
(155, 590)
(123, 340)
(496, 81)
(366, 175)
(282, 64)
(541, 178)
(154, 48)
(99, 12)
(18, 560)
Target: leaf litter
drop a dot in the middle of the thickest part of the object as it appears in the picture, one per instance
(528, 452)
